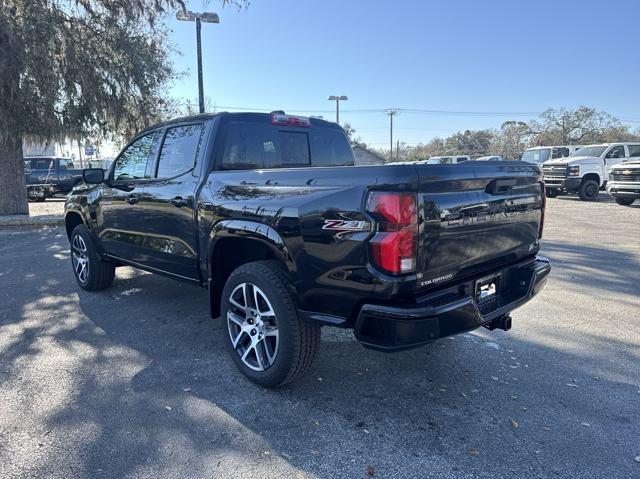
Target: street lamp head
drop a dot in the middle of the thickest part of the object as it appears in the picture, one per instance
(209, 17)
(189, 16)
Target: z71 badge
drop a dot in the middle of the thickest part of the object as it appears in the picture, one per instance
(342, 227)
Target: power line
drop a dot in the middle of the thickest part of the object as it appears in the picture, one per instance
(386, 110)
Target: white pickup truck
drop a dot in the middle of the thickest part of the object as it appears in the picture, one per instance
(624, 182)
(587, 170)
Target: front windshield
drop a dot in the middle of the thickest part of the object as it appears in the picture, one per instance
(590, 151)
(536, 156)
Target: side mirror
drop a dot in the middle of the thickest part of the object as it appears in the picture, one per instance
(93, 176)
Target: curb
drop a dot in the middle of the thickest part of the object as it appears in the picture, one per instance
(25, 220)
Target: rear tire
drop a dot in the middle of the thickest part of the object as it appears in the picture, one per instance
(624, 201)
(589, 190)
(551, 193)
(91, 272)
(266, 339)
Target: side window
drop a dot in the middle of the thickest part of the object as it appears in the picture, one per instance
(330, 148)
(179, 150)
(41, 163)
(560, 153)
(132, 162)
(616, 152)
(634, 150)
(66, 164)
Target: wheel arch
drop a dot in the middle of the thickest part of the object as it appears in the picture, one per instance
(233, 243)
(71, 220)
(592, 176)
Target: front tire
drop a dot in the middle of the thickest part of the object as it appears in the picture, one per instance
(589, 190)
(624, 201)
(266, 339)
(551, 193)
(91, 272)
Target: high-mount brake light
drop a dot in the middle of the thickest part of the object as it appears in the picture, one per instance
(290, 120)
(394, 246)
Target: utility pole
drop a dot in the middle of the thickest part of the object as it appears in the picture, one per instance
(397, 150)
(391, 114)
(207, 17)
(337, 99)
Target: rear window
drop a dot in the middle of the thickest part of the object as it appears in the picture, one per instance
(260, 145)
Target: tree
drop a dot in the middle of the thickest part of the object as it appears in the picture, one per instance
(511, 139)
(74, 69)
(354, 139)
(469, 142)
(77, 69)
(583, 125)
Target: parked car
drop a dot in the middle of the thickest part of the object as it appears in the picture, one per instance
(539, 154)
(488, 158)
(587, 170)
(624, 182)
(266, 212)
(47, 175)
(446, 160)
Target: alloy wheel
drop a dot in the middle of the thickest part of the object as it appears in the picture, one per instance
(80, 258)
(253, 327)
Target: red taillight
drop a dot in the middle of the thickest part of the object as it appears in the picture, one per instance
(290, 120)
(544, 206)
(394, 246)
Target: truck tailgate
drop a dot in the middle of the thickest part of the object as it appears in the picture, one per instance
(477, 217)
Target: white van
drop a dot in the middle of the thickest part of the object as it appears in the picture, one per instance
(540, 154)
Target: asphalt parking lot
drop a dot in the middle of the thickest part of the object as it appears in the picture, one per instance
(135, 382)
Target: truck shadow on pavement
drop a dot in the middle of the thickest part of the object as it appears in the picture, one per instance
(142, 387)
(614, 270)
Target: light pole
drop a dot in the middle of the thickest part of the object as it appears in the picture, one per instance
(337, 99)
(206, 17)
(391, 114)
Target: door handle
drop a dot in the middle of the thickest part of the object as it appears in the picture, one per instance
(178, 202)
(133, 199)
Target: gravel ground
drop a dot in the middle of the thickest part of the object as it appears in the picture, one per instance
(52, 206)
(134, 381)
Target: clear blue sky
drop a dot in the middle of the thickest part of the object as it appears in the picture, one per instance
(480, 56)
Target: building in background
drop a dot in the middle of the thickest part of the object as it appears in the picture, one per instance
(366, 157)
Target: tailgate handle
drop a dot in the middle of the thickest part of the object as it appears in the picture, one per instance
(501, 186)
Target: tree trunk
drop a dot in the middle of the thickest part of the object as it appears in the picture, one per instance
(13, 190)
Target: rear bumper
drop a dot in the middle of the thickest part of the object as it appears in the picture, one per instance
(452, 311)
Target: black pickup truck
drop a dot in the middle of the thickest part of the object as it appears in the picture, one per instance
(268, 212)
(47, 175)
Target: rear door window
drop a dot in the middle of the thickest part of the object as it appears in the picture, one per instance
(634, 150)
(66, 164)
(179, 150)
